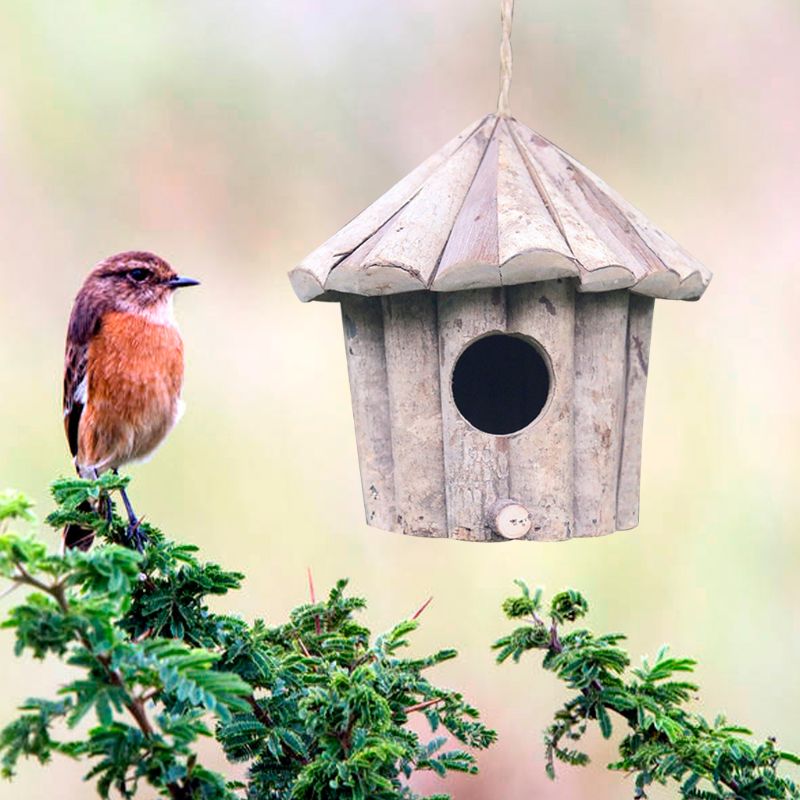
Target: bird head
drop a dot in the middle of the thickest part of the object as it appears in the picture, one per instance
(136, 281)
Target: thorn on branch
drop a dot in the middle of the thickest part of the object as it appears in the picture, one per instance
(317, 624)
(422, 607)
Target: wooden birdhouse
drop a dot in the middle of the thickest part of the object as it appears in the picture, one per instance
(497, 306)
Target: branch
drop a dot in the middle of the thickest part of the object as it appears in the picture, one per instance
(26, 578)
(260, 714)
(629, 715)
(423, 705)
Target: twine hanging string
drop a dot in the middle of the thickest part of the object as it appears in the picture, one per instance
(506, 20)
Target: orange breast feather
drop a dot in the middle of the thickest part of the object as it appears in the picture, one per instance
(135, 374)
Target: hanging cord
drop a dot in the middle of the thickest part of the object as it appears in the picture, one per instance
(506, 19)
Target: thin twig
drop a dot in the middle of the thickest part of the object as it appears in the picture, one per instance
(26, 577)
(317, 624)
(422, 607)
(260, 714)
(423, 705)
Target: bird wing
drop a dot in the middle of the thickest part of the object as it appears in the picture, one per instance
(75, 391)
(84, 325)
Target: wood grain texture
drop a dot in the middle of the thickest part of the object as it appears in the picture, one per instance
(476, 463)
(470, 255)
(603, 266)
(509, 519)
(362, 320)
(309, 277)
(640, 323)
(532, 246)
(691, 274)
(500, 204)
(541, 456)
(601, 329)
(412, 360)
(352, 277)
(410, 250)
(427, 472)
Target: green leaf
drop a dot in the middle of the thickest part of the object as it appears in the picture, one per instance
(605, 721)
(15, 505)
(666, 743)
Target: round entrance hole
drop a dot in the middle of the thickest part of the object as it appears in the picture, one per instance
(501, 383)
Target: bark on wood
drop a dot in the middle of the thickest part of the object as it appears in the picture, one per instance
(412, 360)
(476, 464)
(541, 456)
(601, 325)
(362, 319)
(640, 321)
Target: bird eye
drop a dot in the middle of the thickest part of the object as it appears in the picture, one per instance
(140, 274)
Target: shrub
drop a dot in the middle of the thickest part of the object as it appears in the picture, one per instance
(665, 743)
(315, 707)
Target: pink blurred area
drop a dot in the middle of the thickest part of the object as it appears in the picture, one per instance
(234, 138)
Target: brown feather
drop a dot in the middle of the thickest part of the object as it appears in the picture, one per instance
(135, 376)
(84, 323)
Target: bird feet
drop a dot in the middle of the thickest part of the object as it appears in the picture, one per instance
(134, 536)
(107, 510)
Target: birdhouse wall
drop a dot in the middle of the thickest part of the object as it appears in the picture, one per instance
(427, 471)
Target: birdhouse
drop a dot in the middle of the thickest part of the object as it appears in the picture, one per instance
(497, 306)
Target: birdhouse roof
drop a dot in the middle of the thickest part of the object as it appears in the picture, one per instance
(499, 205)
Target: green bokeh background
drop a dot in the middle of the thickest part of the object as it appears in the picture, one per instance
(232, 138)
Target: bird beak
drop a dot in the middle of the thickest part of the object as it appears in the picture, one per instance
(177, 282)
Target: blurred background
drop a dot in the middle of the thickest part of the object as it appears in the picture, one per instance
(233, 138)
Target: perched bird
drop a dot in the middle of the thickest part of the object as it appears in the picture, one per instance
(123, 370)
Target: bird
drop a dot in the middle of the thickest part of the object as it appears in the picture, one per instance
(123, 372)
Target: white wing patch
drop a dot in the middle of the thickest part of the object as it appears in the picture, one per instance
(81, 393)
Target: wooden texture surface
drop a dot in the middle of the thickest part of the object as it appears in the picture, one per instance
(412, 366)
(476, 463)
(500, 205)
(601, 329)
(531, 238)
(310, 275)
(415, 241)
(426, 471)
(362, 320)
(640, 323)
(509, 519)
(541, 457)
(470, 255)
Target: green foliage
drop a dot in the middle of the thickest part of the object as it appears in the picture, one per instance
(664, 743)
(315, 707)
(331, 719)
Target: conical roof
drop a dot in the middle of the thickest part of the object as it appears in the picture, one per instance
(499, 205)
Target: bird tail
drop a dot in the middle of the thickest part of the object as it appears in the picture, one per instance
(75, 535)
